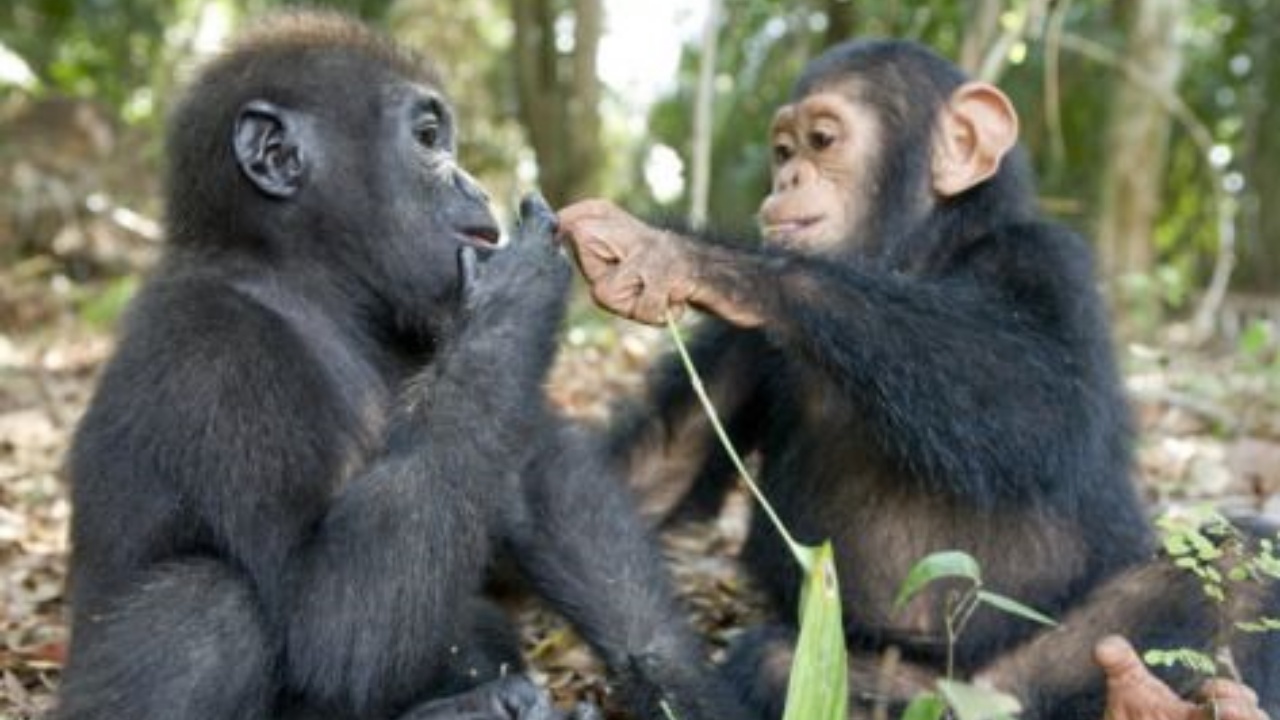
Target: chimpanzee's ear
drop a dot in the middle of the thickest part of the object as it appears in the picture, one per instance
(268, 148)
(976, 127)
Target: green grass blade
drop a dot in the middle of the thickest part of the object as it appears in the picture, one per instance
(818, 689)
(803, 554)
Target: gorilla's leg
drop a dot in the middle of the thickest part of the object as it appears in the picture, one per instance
(188, 642)
(490, 649)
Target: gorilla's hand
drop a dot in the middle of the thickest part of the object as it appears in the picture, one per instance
(510, 698)
(513, 300)
(528, 273)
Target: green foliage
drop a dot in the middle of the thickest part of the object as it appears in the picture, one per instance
(1266, 624)
(1224, 560)
(967, 701)
(1207, 545)
(1193, 660)
(1259, 350)
(101, 307)
(956, 564)
(925, 706)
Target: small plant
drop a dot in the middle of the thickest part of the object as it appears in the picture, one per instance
(1226, 561)
(967, 701)
(818, 688)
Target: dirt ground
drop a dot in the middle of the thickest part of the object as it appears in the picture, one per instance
(1210, 432)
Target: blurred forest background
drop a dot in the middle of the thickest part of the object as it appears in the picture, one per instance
(1154, 126)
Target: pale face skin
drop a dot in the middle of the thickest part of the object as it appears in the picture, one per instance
(824, 148)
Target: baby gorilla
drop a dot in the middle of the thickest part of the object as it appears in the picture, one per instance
(326, 413)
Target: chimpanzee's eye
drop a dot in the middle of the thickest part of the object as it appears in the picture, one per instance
(820, 140)
(782, 152)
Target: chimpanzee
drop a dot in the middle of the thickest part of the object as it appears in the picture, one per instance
(922, 364)
(325, 415)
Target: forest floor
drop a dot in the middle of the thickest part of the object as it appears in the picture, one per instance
(1210, 431)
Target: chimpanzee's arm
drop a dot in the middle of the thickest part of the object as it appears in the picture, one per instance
(987, 372)
(992, 369)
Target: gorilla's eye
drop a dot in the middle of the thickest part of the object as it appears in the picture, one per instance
(428, 133)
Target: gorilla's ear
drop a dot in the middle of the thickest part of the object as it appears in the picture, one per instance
(269, 149)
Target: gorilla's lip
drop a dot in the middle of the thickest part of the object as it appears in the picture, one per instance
(484, 236)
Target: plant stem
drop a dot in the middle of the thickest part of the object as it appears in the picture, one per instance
(801, 552)
(952, 607)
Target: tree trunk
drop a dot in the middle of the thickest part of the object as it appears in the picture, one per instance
(1137, 140)
(980, 34)
(1259, 245)
(842, 19)
(703, 117)
(559, 95)
(585, 151)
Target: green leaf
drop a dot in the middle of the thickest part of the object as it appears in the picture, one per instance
(945, 564)
(818, 689)
(1013, 607)
(1262, 625)
(104, 307)
(1255, 338)
(971, 702)
(925, 706)
(1191, 659)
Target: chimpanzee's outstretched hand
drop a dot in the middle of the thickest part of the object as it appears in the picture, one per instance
(634, 270)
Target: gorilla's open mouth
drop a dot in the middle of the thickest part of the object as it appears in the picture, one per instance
(481, 236)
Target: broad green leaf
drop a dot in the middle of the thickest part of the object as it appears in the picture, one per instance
(1013, 607)
(818, 689)
(925, 706)
(948, 563)
(971, 702)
